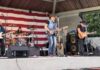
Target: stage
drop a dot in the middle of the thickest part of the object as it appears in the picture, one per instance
(50, 63)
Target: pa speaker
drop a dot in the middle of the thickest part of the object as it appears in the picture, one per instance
(72, 39)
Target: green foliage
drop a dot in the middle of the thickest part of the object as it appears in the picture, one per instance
(93, 20)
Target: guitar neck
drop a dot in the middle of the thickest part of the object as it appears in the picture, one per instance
(89, 33)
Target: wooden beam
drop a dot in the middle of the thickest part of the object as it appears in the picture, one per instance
(53, 0)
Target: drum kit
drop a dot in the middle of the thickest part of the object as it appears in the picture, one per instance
(22, 39)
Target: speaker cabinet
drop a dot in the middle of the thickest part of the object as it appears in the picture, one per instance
(18, 51)
(34, 51)
(73, 46)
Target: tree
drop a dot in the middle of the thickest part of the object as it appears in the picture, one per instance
(93, 21)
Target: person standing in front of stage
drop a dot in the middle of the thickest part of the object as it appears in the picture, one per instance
(2, 45)
(51, 28)
(81, 35)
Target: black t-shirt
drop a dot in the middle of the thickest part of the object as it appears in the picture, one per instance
(82, 29)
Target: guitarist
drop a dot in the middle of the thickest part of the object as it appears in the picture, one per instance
(2, 46)
(81, 35)
(51, 28)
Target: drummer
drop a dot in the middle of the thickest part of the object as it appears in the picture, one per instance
(19, 31)
(20, 37)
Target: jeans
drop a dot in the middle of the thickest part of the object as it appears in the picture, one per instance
(52, 45)
(81, 46)
(2, 47)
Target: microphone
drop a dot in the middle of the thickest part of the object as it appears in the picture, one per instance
(57, 19)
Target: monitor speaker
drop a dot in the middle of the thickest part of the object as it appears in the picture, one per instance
(18, 51)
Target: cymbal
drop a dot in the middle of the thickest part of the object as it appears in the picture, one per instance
(12, 25)
(11, 32)
(31, 28)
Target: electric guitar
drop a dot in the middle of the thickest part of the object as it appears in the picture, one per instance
(57, 31)
(82, 35)
(52, 32)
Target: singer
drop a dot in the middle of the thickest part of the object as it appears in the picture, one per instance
(52, 28)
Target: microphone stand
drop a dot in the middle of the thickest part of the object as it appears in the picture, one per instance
(58, 21)
(58, 28)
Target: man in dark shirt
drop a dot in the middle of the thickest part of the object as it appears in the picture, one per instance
(81, 35)
(2, 46)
